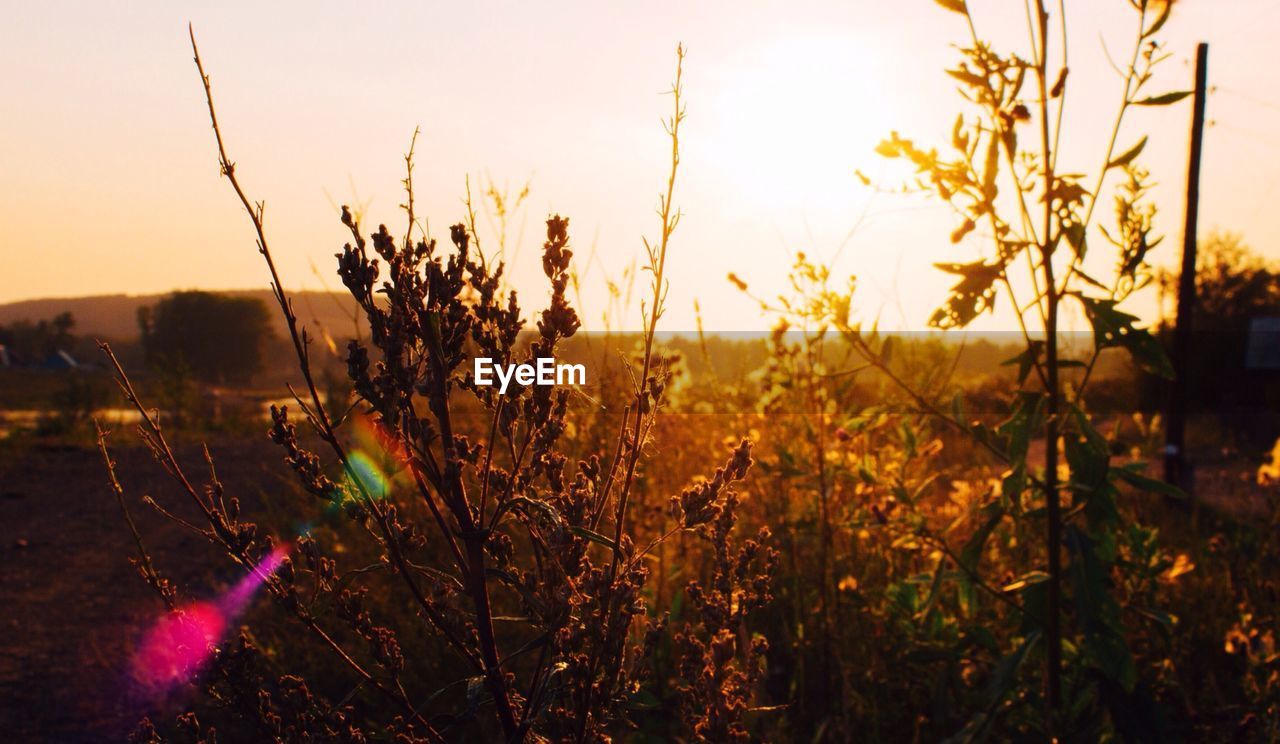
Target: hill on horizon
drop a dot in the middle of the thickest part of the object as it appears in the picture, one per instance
(115, 316)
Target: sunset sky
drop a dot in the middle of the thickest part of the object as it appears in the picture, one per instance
(110, 182)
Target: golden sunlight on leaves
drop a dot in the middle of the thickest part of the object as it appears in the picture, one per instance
(1269, 472)
(1030, 579)
(1181, 565)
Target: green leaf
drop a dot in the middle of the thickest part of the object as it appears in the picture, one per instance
(1122, 160)
(968, 78)
(1090, 280)
(1163, 99)
(1087, 452)
(934, 586)
(1165, 619)
(973, 295)
(1098, 612)
(1031, 578)
(1022, 423)
(1027, 359)
(1013, 484)
(1002, 681)
(1076, 237)
(888, 149)
(894, 147)
(1068, 191)
(593, 536)
(1035, 602)
(972, 550)
(1009, 136)
(1020, 427)
(991, 169)
(1114, 328)
(1159, 22)
(1130, 475)
(534, 506)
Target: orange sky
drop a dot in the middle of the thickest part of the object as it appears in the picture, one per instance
(110, 183)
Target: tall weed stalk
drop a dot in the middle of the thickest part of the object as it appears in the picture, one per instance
(520, 561)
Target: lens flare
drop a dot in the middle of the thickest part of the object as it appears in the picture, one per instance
(372, 437)
(375, 462)
(179, 645)
(373, 479)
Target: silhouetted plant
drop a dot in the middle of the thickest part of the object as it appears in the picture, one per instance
(485, 520)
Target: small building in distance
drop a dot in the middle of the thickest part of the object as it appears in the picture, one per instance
(1263, 351)
(59, 360)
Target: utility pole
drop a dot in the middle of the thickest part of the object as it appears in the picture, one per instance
(1177, 470)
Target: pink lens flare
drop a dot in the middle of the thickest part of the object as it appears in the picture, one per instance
(234, 601)
(179, 644)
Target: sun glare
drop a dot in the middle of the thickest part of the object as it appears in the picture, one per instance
(794, 119)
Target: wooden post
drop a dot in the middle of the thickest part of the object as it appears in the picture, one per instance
(1177, 470)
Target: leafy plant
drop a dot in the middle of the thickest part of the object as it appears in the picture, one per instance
(1002, 178)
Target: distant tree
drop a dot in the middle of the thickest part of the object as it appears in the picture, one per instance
(33, 342)
(1233, 286)
(61, 326)
(219, 339)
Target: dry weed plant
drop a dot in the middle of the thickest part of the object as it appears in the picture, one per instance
(519, 559)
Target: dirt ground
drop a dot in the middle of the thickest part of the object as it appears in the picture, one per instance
(71, 606)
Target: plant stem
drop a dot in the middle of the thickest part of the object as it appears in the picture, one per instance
(1053, 507)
